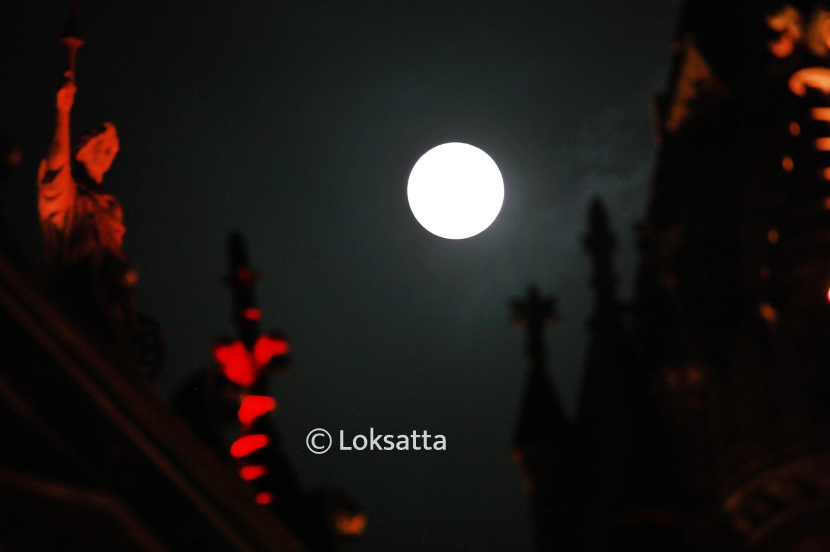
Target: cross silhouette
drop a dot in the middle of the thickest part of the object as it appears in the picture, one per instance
(533, 312)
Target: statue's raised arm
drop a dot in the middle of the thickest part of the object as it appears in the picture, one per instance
(81, 224)
(55, 185)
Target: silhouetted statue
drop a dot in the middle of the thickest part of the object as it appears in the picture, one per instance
(82, 225)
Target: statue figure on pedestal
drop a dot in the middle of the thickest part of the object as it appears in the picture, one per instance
(82, 225)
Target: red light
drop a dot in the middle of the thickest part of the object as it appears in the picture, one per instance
(267, 347)
(252, 472)
(263, 498)
(244, 275)
(236, 363)
(828, 294)
(254, 406)
(252, 313)
(248, 444)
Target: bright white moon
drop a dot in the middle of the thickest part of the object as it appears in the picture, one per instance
(455, 191)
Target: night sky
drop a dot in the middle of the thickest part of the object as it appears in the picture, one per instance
(297, 123)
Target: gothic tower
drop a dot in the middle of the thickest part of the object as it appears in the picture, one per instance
(704, 419)
(732, 312)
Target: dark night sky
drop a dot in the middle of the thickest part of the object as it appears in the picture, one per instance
(297, 123)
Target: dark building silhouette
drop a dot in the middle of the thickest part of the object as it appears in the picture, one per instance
(704, 418)
(92, 457)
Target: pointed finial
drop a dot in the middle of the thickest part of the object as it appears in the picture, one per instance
(601, 243)
(600, 239)
(72, 41)
(72, 29)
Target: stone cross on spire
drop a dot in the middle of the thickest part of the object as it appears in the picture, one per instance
(542, 440)
(533, 312)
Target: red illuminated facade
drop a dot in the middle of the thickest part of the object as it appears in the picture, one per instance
(233, 397)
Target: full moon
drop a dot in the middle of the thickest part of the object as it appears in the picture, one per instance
(455, 191)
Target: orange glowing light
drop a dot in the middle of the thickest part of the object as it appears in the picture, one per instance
(795, 129)
(236, 362)
(787, 23)
(810, 77)
(263, 498)
(252, 472)
(768, 312)
(267, 347)
(130, 277)
(254, 406)
(252, 313)
(248, 444)
(826, 174)
(827, 203)
(772, 236)
(828, 294)
(823, 144)
(787, 163)
(350, 525)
